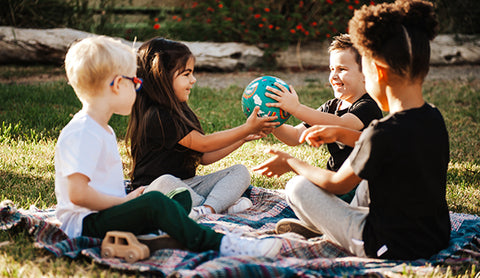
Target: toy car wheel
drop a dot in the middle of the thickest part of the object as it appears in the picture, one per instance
(131, 256)
(108, 252)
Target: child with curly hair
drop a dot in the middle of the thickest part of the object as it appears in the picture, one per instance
(400, 209)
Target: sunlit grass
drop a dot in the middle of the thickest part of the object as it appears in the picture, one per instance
(32, 116)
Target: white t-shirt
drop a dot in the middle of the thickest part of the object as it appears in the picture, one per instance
(87, 148)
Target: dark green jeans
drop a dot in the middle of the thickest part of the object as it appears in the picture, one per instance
(150, 212)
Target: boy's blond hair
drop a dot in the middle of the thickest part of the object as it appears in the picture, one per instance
(89, 62)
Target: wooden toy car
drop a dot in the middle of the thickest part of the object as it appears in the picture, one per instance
(123, 245)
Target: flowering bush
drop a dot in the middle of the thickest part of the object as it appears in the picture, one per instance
(269, 24)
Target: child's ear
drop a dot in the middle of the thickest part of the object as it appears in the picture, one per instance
(382, 71)
(115, 85)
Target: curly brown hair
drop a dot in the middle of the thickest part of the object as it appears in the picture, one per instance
(398, 33)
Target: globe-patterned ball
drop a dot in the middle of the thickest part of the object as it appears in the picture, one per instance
(254, 95)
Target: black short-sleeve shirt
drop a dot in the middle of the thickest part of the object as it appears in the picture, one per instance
(404, 157)
(163, 154)
(365, 108)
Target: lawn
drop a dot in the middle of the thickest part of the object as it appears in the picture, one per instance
(32, 116)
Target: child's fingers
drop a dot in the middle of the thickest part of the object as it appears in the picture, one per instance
(275, 91)
(283, 88)
(269, 118)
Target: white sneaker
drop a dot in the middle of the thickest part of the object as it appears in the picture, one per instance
(236, 245)
(240, 205)
(198, 212)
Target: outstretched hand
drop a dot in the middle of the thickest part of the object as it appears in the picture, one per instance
(260, 125)
(319, 134)
(286, 100)
(275, 166)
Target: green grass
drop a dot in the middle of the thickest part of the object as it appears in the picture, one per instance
(31, 117)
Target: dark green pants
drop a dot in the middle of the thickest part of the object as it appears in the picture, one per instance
(150, 212)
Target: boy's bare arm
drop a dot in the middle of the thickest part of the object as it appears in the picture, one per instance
(82, 194)
(288, 101)
(288, 134)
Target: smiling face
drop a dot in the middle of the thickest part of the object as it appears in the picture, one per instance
(183, 81)
(345, 77)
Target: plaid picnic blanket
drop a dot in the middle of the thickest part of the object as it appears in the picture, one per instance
(298, 257)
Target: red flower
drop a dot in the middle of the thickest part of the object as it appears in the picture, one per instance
(267, 10)
(250, 8)
(220, 6)
(194, 4)
(174, 17)
(156, 26)
(330, 22)
(300, 4)
(328, 35)
(179, 19)
(264, 19)
(292, 31)
(257, 16)
(156, 19)
(313, 23)
(210, 9)
(260, 25)
(372, 3)
(270, 26)
(306, 33)
(350, 7)
(348, 1)
(299, 27)
(330, 2)
(209, 20)
(356, 2)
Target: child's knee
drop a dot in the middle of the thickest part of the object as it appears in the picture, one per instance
(242, 172)
(296, 187)
(163, 183)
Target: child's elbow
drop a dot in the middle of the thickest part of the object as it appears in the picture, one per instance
(76, 199)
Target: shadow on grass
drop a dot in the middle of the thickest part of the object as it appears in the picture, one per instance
(25, 190)
(463, 184)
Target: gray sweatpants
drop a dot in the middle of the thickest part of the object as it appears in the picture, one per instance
(340, 222)
(218, 190)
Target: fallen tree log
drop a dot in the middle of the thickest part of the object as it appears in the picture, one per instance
(19, 45)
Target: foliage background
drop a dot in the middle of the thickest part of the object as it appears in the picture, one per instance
(264, 22)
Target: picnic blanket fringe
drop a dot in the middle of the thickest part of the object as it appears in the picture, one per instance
(298, 257)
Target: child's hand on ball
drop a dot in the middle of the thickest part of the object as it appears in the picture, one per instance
(286, 100)
(260, 124)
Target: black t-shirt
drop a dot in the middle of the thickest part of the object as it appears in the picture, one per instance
(404, 157)
(163, 154)
(365, 108)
